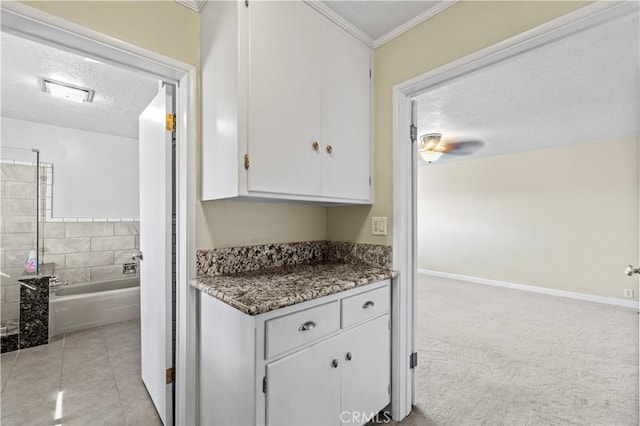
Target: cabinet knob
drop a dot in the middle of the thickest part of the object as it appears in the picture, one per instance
(329, 149)
(334, 363)
(315, 145)
(348, 356)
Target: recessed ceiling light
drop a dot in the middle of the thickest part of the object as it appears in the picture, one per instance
(58, 89)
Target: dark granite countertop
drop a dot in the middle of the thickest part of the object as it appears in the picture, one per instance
(263, 290)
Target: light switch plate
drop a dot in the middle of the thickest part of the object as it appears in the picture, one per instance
(379, 225)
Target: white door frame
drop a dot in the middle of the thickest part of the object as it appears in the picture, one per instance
(404, 171)
(24, 21)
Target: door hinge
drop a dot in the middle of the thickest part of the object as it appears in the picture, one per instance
(246, 161)
(170, 375)
(389, 389)
(413, 360)
(369, 180)
(264, 384)
(369, 72)
(414, 133)
(171, 122)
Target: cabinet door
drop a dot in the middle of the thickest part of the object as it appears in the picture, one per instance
(304, 388)
(285, 89)
(345, 115)
(366, 377)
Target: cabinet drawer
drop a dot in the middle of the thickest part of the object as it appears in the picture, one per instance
(296, 329)
(363, 306)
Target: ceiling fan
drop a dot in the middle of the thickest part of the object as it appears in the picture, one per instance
(432, 147)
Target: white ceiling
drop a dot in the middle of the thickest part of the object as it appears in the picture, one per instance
(120, 95)
(580, 89)
(378, 18)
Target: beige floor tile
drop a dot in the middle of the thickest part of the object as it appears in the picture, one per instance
(81, 359)
(83, 366)
(29, 406)
(91, 336)
(7, 361)
(101, 413)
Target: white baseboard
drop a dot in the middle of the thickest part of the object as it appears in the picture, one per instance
(535, 289)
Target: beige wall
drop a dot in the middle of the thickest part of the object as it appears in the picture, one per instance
(564, 218)
(173, 30)
(464, 28)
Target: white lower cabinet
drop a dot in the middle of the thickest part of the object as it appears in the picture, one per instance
(304, 388)
(365, 371)
(321, 362)
(342, 380)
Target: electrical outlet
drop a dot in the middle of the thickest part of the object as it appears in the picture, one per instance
(628, 292)
(379, 225)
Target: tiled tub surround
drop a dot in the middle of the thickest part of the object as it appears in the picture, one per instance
(263, 290)
(90, 251)
(17, 231)
(239, 259)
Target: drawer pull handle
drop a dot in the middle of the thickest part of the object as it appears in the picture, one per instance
(309, 325)
(368, 305)
(334, 363)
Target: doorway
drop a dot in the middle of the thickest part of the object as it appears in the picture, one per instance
(20, 20)
(405, 185)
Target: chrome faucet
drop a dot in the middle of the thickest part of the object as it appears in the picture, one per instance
(54, 281)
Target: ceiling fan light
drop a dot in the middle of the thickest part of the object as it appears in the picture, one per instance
(430, 156)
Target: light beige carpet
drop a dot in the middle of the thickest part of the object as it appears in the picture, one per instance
(497, 356)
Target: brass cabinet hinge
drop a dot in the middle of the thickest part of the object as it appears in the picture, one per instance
(171, 122)
(246, 161)
(170, 375)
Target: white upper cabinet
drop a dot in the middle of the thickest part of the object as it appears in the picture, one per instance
(285, 94)
(286, 105)
(346, 112)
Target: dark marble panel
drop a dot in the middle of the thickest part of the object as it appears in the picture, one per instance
(34, 312)
(9, 343)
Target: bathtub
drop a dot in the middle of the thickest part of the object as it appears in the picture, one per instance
(80, 306)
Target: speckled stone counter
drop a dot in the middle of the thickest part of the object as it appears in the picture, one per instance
(259, 291)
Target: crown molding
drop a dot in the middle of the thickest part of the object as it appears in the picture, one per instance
(341, 22)
(429, 13)
(327, 12)
(195, 5)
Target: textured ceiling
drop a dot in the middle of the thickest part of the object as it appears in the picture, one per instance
(377, 18)
(120, 95)
(582, 88)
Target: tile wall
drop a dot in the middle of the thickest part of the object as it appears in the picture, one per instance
(17, 231)
(90, 251)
